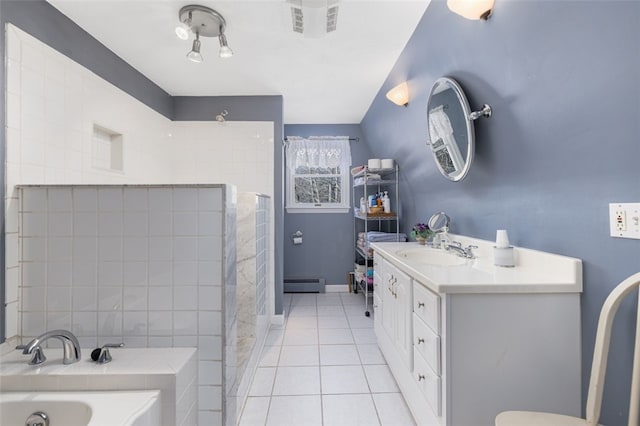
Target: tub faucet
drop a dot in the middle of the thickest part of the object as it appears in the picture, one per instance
(70, 347)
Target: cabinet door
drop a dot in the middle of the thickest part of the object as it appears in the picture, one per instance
(377, 311)
(378, 291)
(403, 318)
(388, 305)
(379, 272)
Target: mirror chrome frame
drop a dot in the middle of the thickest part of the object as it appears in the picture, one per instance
(470, 116)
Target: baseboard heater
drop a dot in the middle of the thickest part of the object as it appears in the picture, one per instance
(304, 285)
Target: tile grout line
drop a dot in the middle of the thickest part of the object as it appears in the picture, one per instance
(319, 367)
(321, 395)
(284, 329)
(373, 402)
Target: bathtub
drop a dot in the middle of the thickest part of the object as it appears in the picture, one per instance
(108, 408)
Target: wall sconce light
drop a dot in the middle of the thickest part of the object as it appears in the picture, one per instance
(472, 9)
(399, 95)
(203, 22)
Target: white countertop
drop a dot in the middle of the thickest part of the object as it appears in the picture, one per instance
(535, 271)
(126, 361)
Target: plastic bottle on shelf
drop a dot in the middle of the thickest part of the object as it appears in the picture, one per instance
(386, 202)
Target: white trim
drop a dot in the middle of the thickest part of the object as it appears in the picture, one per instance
(278, 319)
(336, 288)
(318, 209)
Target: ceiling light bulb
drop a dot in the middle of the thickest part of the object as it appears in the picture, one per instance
(225, 50)
(182, 31)
(195, 55)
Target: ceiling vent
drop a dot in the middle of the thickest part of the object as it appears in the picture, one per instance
(314, 18)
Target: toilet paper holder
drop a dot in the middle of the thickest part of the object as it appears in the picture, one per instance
(296, 237)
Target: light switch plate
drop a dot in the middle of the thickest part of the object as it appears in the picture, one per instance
(624, 220)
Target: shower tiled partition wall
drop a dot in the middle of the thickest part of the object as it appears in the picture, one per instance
(150, 266)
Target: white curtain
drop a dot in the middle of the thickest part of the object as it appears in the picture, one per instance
(321, 151)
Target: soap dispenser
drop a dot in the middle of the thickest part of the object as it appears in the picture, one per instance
(444, 239)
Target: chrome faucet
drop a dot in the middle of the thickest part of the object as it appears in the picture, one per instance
(70, 347)
(102, 355)
(462, 252)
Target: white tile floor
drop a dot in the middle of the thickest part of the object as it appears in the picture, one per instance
(324, 368)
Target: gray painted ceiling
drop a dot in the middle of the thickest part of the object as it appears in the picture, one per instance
(332, 79)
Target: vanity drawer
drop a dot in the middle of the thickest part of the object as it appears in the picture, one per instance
(428, 382)
(426, 305)
(427, 343)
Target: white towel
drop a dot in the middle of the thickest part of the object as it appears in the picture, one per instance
(386, 237)
(440, 130)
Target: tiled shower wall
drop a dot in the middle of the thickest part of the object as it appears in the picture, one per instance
(263, 210)
(252, 266)
(143, 265)
(253, 269)
(53, 106)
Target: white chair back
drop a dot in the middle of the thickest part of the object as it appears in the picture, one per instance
(601, 352)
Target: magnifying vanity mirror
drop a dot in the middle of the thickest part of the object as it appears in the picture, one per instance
(451, 135)
(439, 222)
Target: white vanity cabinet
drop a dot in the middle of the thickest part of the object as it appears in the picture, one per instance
(466, 342)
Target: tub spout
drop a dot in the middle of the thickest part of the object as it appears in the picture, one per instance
(70, 347)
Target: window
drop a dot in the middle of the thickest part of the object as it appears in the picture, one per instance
(318, 175)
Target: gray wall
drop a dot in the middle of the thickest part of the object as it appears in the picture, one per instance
(43, 21)
(563, 79)
(327, 250)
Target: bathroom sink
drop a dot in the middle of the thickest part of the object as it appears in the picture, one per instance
(431, 257)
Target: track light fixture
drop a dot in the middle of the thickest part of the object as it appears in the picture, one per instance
(202, 21)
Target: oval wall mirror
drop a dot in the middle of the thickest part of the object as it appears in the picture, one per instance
(451, 136)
